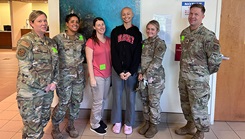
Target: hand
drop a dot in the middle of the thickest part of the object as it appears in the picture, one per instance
(122, 76)
(47, 89)
(93, 82)
(140, 77)
(150, 80)
(52, 86)
(127, 75)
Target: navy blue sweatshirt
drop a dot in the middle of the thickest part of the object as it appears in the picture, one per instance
(126, 49)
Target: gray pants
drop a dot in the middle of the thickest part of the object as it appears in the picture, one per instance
(99, 95)
(118, 86)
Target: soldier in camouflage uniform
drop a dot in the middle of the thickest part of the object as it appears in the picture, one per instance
(37, 57)
(152, 79)
(199, 59)
(71, 76)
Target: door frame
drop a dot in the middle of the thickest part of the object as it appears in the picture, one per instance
(213, 78)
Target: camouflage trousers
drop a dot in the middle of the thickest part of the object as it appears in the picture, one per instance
(150, 97)
(70, 98)
(35, 113)
(194, 97)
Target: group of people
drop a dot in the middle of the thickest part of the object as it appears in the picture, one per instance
(132, 65)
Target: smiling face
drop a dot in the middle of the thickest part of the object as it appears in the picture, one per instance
(40, 25)
(195, 17)
(100, 27)
(151, 31)
(72, 24)
(127, 15)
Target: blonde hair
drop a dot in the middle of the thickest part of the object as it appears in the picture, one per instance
(34, 14)
(154, 23)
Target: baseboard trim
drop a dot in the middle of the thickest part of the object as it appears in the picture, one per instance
(165, 116)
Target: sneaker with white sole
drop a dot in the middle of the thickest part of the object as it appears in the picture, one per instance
(102, 124)
(100, 130)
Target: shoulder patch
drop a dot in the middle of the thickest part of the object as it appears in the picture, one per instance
(216, 47)
(21, 52)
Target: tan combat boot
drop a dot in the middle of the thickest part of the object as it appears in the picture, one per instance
(70, 129)
(198, 135)
(56, 134)
(144, 128)
(151, 132)
(189, 128)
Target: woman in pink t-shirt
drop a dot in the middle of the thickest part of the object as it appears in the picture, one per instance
(98, 54)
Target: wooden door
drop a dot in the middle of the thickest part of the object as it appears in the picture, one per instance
(230, 93)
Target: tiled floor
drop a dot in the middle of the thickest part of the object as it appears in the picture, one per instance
(8, 72)
(11, 124)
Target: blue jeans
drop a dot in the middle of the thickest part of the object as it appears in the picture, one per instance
(118, 86)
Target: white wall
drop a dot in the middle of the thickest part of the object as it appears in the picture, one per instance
(170, 98)
(54, 17)
(5, 14)
(19, 13)
(54, 26)
(41, 6)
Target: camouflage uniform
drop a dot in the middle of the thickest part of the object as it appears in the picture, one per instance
(37, 68)
(152, 71)
(199, 59)
(71, 75)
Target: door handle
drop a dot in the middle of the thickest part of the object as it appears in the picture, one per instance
(225, 57)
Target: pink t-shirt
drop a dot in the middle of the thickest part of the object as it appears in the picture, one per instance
(101, 57)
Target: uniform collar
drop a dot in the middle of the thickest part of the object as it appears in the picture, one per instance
(38, 38)
(67, 37)
(152, 39)
(196, 30)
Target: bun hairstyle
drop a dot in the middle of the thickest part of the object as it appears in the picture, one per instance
(34, 14)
